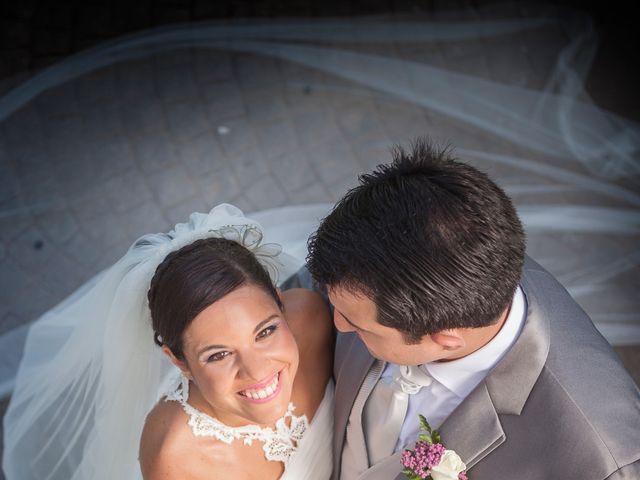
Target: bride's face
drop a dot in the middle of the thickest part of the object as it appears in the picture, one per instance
(242, 358)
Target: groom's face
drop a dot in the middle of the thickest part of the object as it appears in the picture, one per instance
(357, 313)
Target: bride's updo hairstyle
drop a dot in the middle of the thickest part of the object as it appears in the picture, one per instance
(194, 277)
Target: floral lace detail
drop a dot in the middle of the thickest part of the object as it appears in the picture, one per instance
(278, 445)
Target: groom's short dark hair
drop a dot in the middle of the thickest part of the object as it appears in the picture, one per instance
(432, 241)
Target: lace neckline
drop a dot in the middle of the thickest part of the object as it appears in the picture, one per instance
(278, 445)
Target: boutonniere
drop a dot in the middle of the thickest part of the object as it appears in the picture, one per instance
(430, 460)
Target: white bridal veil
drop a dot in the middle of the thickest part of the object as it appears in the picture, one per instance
(91, 370)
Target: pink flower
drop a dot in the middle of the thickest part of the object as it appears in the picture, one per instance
(423, 459)
(462, 476)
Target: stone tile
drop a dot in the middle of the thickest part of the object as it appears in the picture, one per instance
(402, 122)
(359, 123)
(333, 162)
(126, 191)
(102, 121)
(256, 70)
(219, 186)
(201, 154)
(313, 193)
(171, 186)
(110, 157)
(62, 134)
(135, 81)
(249, 166)
(57, 226)
(41, 189)
(143, 116)
(9, 321)
(82, 250)
(176, 84)
(315, 127)
(97, 88)
(30, 301)
(213, 66)
(180, 213)
(180, 59)
(59, 278)
(12, 278)
(22, 127)
(14, 220)
(75, 176)
(374, 154)
(103, 230)
(340, 185)
(145, 218)
(276, 138)
(9, 184)
(266, 193)
(223, 101)
(265, 104)
(239, 137)
(58, 101)
(293, 171)
(90, 203)
(187, 119)
(29, 159)
(153, 152)
(30, 250)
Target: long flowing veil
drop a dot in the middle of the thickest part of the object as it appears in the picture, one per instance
(91, 370)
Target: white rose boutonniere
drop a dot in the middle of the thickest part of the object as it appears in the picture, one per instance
(449, 468)
(430, 460)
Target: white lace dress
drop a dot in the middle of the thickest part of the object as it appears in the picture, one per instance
(304, 448)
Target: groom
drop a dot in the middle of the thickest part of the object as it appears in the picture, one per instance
(441, 314)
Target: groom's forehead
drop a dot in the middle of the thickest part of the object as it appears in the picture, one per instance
(352, 303)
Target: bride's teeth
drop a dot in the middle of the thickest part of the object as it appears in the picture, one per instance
(263, 393)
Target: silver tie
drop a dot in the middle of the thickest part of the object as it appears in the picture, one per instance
(386, 408)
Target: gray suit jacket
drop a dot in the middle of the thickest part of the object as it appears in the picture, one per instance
(558, 406)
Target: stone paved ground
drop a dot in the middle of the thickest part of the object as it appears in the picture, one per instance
(136, 146)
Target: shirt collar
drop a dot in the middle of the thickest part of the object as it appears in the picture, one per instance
(461, 376)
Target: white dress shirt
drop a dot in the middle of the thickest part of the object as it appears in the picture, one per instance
(455, 379)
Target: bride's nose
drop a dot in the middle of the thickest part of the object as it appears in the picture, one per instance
(254, 365)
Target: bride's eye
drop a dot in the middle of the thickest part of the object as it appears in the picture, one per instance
(266, 332)
(216, 357)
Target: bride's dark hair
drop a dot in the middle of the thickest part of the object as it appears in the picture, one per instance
(192, 278)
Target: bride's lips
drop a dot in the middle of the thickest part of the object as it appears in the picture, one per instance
(264, 391)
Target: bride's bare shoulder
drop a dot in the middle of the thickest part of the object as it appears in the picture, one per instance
(168, 447)
(308, 317)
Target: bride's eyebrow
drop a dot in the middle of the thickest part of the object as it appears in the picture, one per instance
(255, 330)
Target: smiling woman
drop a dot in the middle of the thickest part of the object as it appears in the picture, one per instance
(245, 355)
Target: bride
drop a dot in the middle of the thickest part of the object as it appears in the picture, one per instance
(236, 385)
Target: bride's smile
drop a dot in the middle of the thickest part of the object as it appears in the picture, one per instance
(241, 358)
(264, 391)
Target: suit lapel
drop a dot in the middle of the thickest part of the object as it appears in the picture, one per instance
(349, 379)
(473, 430)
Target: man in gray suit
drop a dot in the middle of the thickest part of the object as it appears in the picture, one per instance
(441, 314)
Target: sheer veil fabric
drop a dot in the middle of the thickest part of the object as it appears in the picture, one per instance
(91, 370)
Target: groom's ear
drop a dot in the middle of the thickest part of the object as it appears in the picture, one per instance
(449, 339)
